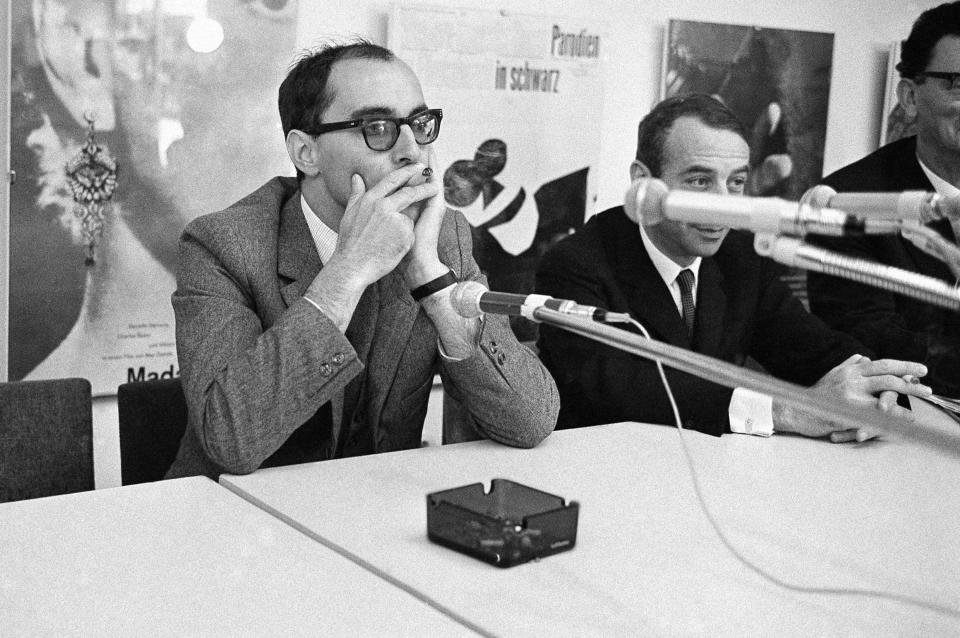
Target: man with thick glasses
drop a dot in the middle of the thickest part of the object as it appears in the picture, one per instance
(893, 325)
(313, 314)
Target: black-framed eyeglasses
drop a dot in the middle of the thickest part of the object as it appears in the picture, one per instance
(381, 133)
(953, 77)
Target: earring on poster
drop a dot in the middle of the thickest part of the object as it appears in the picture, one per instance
(92, 178)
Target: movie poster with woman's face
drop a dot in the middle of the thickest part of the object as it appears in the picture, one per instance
(128, 119)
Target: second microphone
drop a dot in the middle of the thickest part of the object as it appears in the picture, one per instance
(471, 299)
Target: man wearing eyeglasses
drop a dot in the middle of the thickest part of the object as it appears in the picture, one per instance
(892, 325)
(312, 314)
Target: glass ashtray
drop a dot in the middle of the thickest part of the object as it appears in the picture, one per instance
(509, 525)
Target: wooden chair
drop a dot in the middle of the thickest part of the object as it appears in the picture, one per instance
(46, 438)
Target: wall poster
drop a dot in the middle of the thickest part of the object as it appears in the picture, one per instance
(894, 122)
(777, 81)
(522, 99)
(182, 98)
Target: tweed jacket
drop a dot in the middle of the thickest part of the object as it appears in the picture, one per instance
(891, 325)
(259, 362)
(743, 310)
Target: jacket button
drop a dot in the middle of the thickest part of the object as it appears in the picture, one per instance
(501, 358)
(338, 358)
(326, 370)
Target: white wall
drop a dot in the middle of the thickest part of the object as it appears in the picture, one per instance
(864, 30)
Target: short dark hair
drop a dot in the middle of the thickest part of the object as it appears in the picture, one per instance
(932, 25)
(654, 128)
(303, 95)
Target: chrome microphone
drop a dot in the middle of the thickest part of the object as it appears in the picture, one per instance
(791, 251)
(471, 299)
(910, 206)
(649, 201)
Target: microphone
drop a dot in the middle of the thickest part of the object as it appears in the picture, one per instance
(913, 206)
(793, 252)
(471, 299)
(650, 201)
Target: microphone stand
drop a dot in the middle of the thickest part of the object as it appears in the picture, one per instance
(792, 251)
(733, 376)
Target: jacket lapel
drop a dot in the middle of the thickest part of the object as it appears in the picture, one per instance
(297, 258)
(398, 311)
(646, 294)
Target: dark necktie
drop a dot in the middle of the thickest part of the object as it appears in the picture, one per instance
(685, 280)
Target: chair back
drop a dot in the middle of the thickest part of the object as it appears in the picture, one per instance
(153, 418)
(46, 438)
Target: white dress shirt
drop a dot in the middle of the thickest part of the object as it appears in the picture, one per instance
(324, 237)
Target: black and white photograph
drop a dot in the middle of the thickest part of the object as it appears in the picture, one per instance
(443, 318)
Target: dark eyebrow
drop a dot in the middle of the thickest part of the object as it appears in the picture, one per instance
(706, 169)
(382, 111)
(698, 169)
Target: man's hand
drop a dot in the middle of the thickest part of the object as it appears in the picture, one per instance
(860, 383)
(422, 263)
(375, 233)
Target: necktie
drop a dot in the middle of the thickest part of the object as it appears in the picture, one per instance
(685, 281)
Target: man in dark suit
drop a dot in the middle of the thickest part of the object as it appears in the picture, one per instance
(313, 313)
(700, 287)
(890, 324)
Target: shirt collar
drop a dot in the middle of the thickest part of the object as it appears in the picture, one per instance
(666, 267)
(324, 237)
(942, 186)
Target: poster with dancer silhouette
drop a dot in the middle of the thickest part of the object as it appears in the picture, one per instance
(521, 97)
(777, 81)
(128, 119)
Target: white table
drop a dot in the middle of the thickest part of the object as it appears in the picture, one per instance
(881, 515)
(185, 557)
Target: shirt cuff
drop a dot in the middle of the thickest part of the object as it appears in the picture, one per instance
(750, 413)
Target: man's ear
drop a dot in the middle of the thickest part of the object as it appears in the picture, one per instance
(907, 96)
(637, 192)
(639, 170)
(74, 43)
(302, 149)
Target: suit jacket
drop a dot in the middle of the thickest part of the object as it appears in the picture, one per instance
(892, 325)
(743, 309)
(270, 380)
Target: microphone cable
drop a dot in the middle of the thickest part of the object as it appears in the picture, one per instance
(757, 569)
